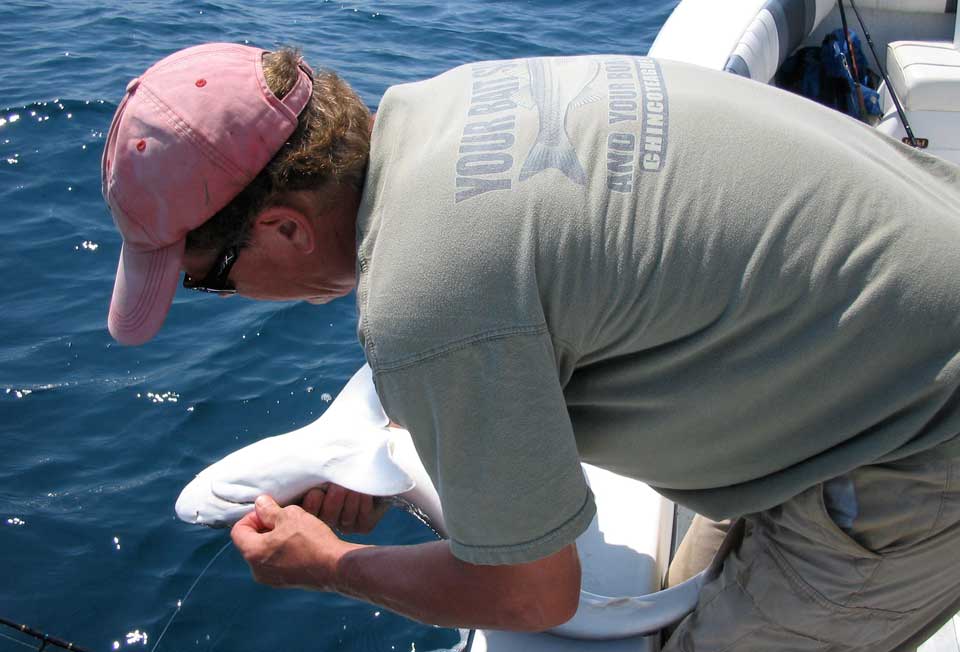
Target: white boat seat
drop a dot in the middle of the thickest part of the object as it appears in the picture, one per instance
(778, 27)
(914, 6)
(925, 74)
(926, 77)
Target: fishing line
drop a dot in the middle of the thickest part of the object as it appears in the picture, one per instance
(226, 626)
(187, 595)
(420, 515)
(45, 639)
(10, 638)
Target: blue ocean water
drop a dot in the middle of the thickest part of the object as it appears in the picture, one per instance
(96, 440)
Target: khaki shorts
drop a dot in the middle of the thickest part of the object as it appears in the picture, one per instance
(870, 560)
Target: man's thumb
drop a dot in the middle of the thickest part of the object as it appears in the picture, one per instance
(267, 511)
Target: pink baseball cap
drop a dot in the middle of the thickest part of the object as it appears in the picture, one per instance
(188, 136)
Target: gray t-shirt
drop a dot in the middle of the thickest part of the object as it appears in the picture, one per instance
(726, 291)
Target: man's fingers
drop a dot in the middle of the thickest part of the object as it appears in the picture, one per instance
(250, 521)
(313, 501)
(345, 510)
(333, 505)
(246, 534)
(367, 518)
(267, 510)
(351, 509)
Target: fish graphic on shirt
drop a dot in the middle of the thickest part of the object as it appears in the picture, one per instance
(551, 92)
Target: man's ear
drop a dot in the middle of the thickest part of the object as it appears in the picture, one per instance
(283, 227)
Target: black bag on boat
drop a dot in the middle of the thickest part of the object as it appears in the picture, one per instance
(824, 74)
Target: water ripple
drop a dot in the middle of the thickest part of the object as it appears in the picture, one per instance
(93, 461)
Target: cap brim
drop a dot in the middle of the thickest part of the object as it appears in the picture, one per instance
(142, 294)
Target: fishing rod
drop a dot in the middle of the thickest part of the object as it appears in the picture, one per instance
(853, 62)
(468, 646)
(886, 80)
(45, 639)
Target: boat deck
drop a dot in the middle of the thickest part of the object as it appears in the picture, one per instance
(945, 640)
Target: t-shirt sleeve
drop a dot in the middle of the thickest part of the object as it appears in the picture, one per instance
(490, 423)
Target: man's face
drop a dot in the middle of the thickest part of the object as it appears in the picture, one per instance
(302, 250)
(264, 275)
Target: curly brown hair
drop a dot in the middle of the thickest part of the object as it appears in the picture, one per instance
(329, 147)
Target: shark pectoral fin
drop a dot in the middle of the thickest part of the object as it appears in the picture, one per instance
(370, 470)
(357, 403)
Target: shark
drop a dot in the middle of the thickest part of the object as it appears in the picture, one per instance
(353, 444)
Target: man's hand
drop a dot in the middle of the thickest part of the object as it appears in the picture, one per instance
(347, 511)
(287, 547)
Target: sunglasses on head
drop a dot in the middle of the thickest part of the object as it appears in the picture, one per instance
(217, 279)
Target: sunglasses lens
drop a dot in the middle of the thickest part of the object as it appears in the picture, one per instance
(218, 279)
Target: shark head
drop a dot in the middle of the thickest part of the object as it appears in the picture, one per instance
(350, 445)
(286, 467)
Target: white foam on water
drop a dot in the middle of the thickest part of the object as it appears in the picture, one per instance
(136, 636)
(16, 521)
(161, 397)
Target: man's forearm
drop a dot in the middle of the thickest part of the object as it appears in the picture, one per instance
(427, 583)
(288, 547)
